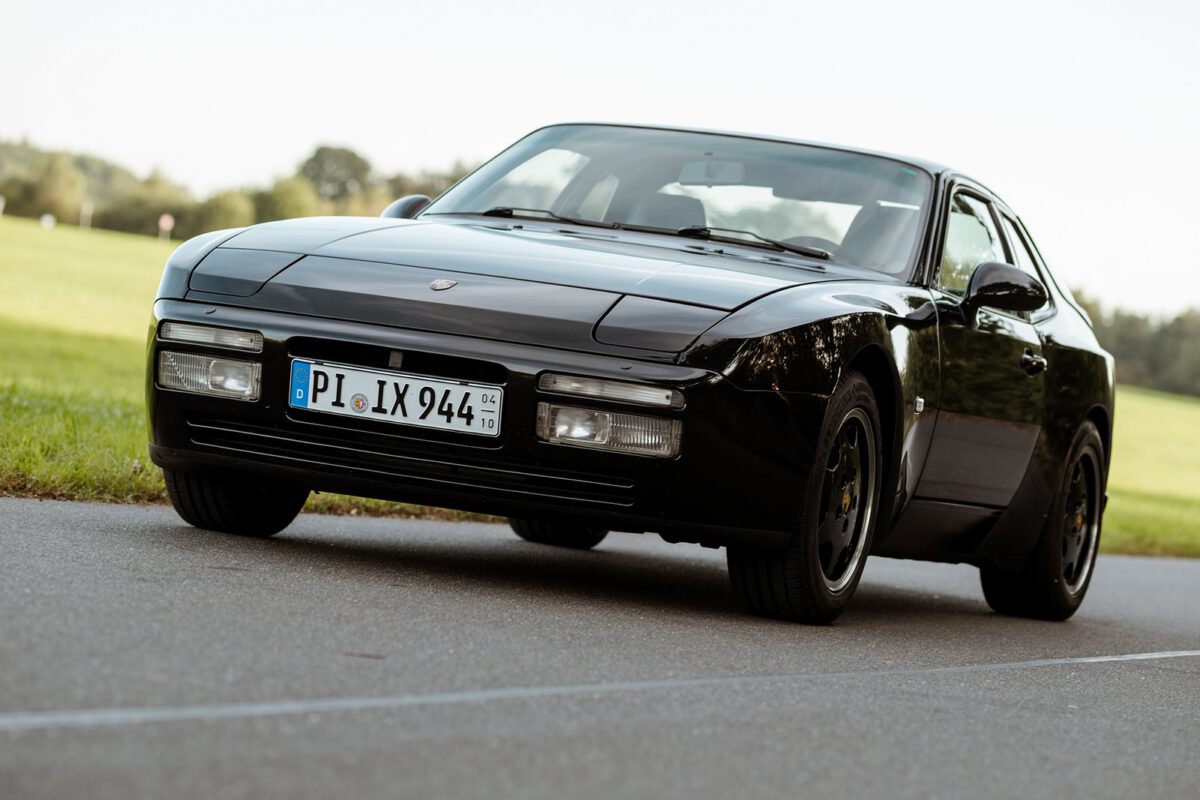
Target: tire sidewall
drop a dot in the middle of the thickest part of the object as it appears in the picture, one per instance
(853, 392)
(1088, 437)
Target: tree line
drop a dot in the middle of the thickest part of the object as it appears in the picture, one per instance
(75, 187)
(1159, 353)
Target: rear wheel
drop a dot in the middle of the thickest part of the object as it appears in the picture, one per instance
(575, 535)
(237, 503)
(815, 577)
(1052, 583)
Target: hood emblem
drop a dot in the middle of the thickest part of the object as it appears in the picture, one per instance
(442, 284)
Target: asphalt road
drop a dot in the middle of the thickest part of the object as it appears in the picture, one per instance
(382, 658)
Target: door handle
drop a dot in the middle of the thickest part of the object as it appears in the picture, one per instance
(1032, 363)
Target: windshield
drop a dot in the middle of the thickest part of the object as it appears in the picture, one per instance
(862, 210)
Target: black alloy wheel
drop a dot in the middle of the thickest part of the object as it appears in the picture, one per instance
(815, 577)
(1080, 524)
(846, 504)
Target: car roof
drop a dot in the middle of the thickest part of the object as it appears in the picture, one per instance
(932, 167)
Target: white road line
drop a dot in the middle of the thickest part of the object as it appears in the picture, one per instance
(93, 718)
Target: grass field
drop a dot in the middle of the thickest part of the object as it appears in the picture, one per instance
(74, 311)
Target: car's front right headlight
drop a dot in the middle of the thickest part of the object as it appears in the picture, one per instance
(204, 374)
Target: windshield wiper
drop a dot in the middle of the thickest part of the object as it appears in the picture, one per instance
(517, 211)
(707, 232)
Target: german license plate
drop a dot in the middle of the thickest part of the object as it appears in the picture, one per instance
(396, 397)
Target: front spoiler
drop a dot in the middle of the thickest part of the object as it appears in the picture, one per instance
(323, 477)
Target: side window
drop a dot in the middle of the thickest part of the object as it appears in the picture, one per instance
(1021, 254)
(971, 239)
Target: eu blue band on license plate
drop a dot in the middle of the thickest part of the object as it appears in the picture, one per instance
(301, 375)
(396, 397)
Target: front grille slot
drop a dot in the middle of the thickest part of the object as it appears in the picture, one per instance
(380, 463)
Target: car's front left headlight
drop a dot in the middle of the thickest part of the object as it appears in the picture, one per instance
(615, 431)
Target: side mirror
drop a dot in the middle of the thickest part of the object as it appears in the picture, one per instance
(1004, 287)
(406, 207)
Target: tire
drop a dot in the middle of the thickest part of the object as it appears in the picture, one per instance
(815, 577)
(245, 505)
(573, 535)
(1054, 579)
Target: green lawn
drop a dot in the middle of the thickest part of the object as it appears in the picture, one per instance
(74, 310)
(1154, 484)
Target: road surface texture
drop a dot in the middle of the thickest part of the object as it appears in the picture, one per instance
(382, 658)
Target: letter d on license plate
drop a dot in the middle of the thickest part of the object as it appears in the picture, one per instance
(396, 397)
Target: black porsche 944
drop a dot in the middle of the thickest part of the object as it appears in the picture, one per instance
(801, 353)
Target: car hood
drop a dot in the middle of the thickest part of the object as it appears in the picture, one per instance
(530, 282)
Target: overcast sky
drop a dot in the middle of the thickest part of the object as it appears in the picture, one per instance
(1083, 116)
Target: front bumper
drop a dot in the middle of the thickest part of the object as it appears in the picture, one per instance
(744, 454)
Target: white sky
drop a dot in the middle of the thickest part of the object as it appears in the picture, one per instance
(1083, 116)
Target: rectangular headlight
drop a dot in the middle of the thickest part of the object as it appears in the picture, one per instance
(608, 430)
(217, 337)
(220, 377)
(617, 391)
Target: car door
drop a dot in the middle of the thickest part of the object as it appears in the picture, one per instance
(992, 397)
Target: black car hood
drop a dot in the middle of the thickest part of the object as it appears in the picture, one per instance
(528, 282)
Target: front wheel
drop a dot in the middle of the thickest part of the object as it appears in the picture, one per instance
(1054, 579)
(573, 535)
(245, 505)
(815, 577)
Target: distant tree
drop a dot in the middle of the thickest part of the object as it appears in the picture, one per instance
(430, 183)
(287, 198)
(18, 194)
(336, 172)
(59, 190)
(138, 210)
(367, 203)
(229, 209)
(22, 160)
(1090, 304)
(1161, 354)
(104, 181)
(1173, 356)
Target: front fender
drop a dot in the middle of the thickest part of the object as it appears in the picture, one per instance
(800, 340)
